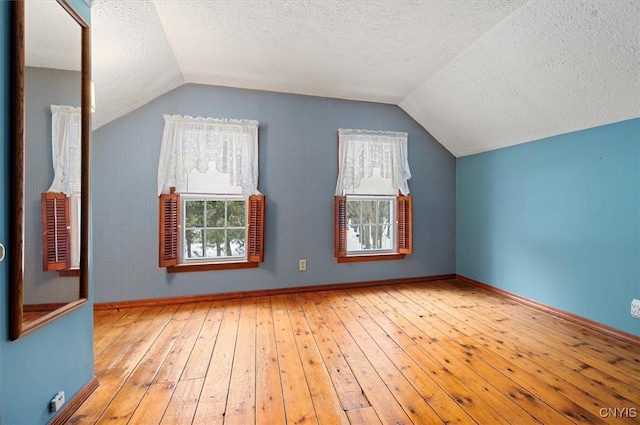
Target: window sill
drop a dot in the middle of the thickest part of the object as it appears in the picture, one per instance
(203, 267)
(370, 257)
(69, 273)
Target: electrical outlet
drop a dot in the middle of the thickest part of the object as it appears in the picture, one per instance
(635, 308)
(302, 265)
(57, 402)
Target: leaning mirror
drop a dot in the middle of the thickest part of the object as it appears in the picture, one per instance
(50, 163)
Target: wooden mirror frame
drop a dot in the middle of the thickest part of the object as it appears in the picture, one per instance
(17, 201)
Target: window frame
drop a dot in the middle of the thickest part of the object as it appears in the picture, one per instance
(392, 221)
(403, 229)
(170, 239)
(212, 197)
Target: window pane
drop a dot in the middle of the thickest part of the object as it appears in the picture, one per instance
(236, 216)
(366, 237)
(193, 243)
(370, 224)
(194, 214)
(236, 241)
(386, 241)
(215, 214)
(384, 212)
(353, 238)
(369, 211)
(214, 228)
(353, 211)
(216, 246)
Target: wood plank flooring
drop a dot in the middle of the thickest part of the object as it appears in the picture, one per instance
(438, 352)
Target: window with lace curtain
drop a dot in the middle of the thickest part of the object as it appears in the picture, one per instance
(211, 212)
(373, 211)
(61, 203)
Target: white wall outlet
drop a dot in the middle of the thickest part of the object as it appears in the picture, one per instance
(302, 265)
(635, 308)
(57, 402)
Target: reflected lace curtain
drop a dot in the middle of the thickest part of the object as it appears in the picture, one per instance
(65, 143)
(366, 154)
(188, 144)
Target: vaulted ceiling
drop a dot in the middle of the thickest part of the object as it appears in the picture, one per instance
(478, 75)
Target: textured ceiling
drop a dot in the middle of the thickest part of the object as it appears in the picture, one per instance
(133, 62)
(547, 69)
(478, 75)
(52, 37)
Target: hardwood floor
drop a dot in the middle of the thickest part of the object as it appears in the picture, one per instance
(439, 352)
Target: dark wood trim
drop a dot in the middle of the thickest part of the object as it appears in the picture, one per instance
(70, 273)
(76, 401)
(370, 257)
(71, 11)
(265, 292)
(582, 321)
(32, 308)
(204, 267)
(35, 324)
(85, 161)
(16, 248)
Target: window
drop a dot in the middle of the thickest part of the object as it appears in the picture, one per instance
(370, 222)
(61, 203)
(211, 213)
(373, 213)
(214, 228)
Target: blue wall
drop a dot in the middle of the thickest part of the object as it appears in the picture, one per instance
(58, 356)
(298, 171)
(557, 220)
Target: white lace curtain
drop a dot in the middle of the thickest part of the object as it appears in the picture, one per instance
(65, 143)
(189, 144)
(377, 158)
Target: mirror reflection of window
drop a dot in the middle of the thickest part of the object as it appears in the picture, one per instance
(61, 224)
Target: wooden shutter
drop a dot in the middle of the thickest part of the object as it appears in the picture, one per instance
(340, 229)
(255, 253)
(405, 224)
(56, 231)
(169, 229)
